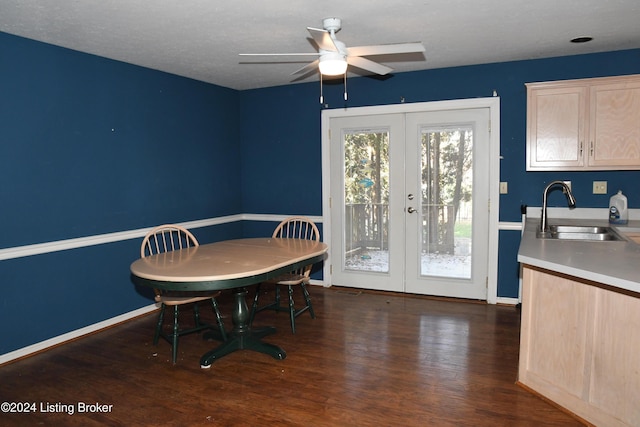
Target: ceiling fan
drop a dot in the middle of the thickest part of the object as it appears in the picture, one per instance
(334, 56)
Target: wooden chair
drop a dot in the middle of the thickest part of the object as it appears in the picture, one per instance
(167, 238)
(296, 227)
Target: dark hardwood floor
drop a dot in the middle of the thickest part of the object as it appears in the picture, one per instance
(368, 359)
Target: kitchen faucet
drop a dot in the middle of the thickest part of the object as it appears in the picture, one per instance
(570, 200)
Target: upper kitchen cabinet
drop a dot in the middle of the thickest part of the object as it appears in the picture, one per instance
(587, 124)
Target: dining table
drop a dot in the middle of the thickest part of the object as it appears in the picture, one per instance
(229, 264)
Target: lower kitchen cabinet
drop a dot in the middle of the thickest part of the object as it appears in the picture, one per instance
(580, 346)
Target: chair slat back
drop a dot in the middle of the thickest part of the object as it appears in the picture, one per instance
(298, 227)
(165, 238)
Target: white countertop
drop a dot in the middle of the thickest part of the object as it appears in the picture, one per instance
(614, 263)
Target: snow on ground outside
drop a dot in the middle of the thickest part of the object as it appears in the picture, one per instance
(446, 265)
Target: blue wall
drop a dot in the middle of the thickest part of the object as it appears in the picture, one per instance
(281, 126)
(91, 146)
(281, 148)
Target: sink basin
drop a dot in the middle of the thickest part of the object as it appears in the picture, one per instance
(584, 236)
(582, 229)
(580, 232)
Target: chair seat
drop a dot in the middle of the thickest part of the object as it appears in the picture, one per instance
(177, 299)
(296, 227)
(171, 237)
(289, 279)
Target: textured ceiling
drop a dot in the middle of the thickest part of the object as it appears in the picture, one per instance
(201, 39)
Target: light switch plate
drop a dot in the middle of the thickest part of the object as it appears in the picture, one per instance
(504, 188)
(599, 187)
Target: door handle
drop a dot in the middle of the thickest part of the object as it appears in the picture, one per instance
(411, 210)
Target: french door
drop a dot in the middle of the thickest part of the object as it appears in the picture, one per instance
(409, 204)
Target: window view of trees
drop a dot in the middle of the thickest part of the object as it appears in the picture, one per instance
(367, 168)
(366, 193)
(446, 185)
(446, 190)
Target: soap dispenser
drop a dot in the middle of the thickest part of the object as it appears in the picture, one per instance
(618, 209)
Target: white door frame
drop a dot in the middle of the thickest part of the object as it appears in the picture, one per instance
(492, 103)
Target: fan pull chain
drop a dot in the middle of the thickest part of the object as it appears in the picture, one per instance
(345, 88)
(345, 85)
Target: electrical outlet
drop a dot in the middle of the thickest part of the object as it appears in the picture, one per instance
(504, 187)
(599, 187)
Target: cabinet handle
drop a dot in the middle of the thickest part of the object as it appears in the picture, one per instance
(580, 148)
(591, 148)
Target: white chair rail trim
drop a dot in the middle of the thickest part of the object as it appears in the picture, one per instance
(100, 239)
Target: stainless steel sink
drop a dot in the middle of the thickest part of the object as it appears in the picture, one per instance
(580, 232)
(578, 229)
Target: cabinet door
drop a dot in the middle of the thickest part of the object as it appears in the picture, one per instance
(553, 341)
(615, 360)
(614, 140)
(579, 346)
(556, 127)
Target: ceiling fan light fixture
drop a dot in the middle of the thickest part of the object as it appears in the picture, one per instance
(333, 64)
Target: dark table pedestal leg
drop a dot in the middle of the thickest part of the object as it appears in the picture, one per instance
(243, 337)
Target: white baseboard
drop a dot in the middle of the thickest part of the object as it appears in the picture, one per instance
(48, 247)
(41, 248)
(507, 301)
(60, 339)
(317, 282)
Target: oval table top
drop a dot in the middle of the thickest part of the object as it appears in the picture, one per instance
(226, 264)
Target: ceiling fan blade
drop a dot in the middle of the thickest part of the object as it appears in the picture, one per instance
(323, 39)
(368, 65)
(386, 49)
(312, 66)
(279, 54)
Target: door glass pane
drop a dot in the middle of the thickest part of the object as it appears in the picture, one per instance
(366, 196)
(447, 181)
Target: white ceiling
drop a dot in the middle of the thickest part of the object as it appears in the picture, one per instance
(201, 39)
